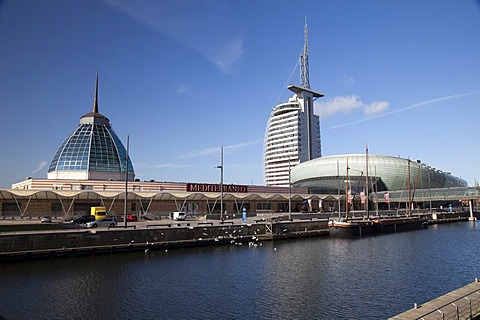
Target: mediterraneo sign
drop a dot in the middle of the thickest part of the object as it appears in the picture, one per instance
(206, 187)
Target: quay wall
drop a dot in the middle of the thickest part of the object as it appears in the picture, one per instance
(29, 244)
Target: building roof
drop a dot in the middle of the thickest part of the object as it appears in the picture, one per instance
(92, 151)
(392, 172)
(298, 90)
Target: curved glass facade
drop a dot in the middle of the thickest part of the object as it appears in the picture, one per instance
(292, 136)
(92, 152)
(92, 147)
(328, 174)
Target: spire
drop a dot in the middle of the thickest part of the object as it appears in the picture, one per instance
(95, 97)
(304, 76)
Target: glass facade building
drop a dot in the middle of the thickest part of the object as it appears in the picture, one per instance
(92, 152)
(327, 175)
(292, 137)
(293, 130)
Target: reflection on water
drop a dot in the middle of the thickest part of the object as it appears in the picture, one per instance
(365, 278)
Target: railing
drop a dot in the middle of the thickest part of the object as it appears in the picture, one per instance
(466, 307)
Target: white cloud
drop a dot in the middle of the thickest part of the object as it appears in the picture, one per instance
(346, 81)
(40, 166)
(227, 54)
(161, 165)
(226, 149)
(346, 104)
(376, 108)
(412, 106)
(182, 89)
(187, 22)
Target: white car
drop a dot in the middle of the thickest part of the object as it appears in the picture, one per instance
(104, 222)
(177, 215)
(46, 219)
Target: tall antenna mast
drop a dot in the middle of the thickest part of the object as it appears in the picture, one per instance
(95, 97)
(304, 76)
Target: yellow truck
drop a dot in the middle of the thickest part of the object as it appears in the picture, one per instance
(98, 212)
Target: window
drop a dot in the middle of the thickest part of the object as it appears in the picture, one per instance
(10, 209)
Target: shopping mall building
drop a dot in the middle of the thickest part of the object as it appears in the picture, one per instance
(92, 168)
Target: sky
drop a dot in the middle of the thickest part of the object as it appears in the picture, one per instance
(183, 78)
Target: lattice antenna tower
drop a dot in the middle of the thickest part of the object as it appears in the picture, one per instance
(304, 76)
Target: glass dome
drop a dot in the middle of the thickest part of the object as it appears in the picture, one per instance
(92, 152)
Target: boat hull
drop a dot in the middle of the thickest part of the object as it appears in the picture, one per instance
(389, 225)
(353, 228)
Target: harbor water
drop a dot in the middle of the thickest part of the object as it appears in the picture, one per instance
(373, 277)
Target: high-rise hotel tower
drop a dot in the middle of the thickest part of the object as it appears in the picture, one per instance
(293, 130)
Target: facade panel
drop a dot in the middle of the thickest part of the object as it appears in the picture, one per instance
(386, 172)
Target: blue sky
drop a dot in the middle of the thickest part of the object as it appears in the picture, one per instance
(182, 78)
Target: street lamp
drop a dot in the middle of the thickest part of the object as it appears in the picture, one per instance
(126, 187)
(221, 185)
(289, 191)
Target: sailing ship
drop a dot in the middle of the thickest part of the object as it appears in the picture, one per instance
(405, 223)
(350, 226)
(358, 226)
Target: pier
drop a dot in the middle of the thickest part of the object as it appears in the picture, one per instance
(40, 244)
(30, 239)
(463, 303)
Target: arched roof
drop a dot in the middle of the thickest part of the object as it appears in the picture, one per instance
(159, 196)
(394, 172)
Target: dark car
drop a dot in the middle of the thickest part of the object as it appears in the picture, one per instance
(83, 219)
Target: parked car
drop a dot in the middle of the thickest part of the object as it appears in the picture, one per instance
(105, 222)
(131, 217)
(46, 219)
(83, 219)
(177, 215)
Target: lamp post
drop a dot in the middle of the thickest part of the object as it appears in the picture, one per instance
(126, 186)
(221, 184)
(289, 191)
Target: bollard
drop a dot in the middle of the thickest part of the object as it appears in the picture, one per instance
(415, 306)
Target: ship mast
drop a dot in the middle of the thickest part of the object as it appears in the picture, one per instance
(347, 202)
(366, 182)
(408, 188)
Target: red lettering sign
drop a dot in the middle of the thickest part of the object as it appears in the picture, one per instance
(207, 187)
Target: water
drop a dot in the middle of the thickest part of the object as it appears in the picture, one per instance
(317, 278)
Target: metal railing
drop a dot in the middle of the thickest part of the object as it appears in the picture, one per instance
(465, 307)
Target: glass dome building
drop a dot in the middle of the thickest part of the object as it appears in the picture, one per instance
(92, 152)
(327, 175)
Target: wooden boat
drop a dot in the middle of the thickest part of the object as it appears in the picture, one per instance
(398, 224)
(351, 228)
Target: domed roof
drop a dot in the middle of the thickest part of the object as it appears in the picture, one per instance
(392, 172)
(92, 152)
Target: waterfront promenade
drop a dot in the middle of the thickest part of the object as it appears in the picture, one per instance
(463, 303)
(29, 238)
(73, 240)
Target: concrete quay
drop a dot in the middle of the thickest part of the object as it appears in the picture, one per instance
(463, 303)
(23, 239)
(153, 235)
